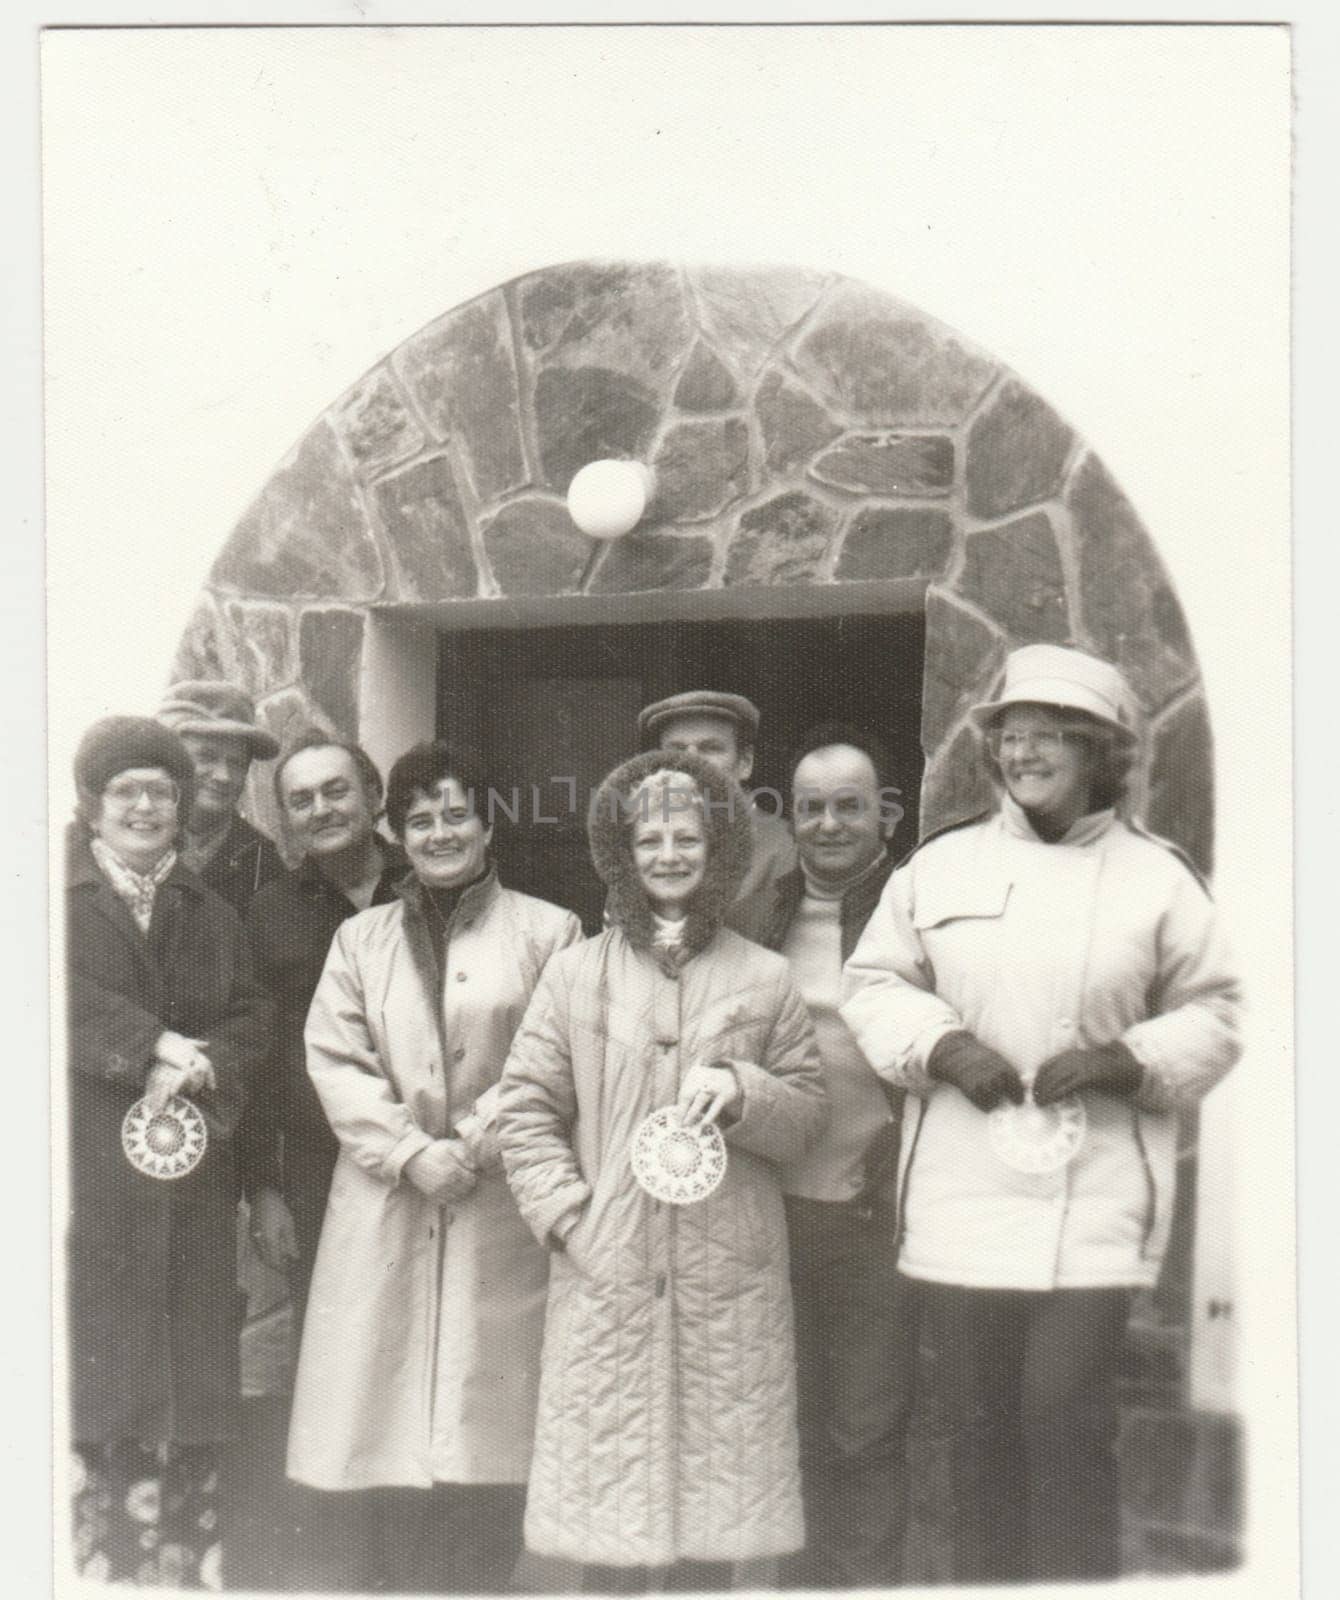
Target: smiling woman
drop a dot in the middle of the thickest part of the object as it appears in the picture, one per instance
(428, 1290)
(668, 1337)
(167, 1028)
(1051, 983)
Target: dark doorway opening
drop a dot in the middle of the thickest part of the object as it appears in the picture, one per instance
(549, 711)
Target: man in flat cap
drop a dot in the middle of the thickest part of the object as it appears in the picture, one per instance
(722, 728)
(217, 724)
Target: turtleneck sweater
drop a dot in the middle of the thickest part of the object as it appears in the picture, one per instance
(833, 1169)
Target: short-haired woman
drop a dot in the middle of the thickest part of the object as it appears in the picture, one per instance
(1051, 984)
(419, 1363)
(163, 1003)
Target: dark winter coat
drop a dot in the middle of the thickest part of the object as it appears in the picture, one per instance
(291, 923)
(666, 1424)
(245, 862)
(153, 1307)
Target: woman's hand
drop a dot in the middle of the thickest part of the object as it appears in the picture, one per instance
(442, 1172)
(709, 1090)
(975, 1070)
(1110, 1067)
(180, 1067)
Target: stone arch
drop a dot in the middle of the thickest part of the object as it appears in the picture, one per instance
(806, 430)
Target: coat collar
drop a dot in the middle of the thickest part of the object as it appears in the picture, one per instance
(1085, 830)
(858, 903)
(418, 936)
(475, 897)
(395, 864)
(82, 871)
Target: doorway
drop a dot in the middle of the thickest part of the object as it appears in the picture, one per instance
(550, 710)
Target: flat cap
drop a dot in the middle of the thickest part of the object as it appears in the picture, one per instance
(217, 710)
(700, 703)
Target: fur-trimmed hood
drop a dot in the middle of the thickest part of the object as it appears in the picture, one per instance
(730, 843)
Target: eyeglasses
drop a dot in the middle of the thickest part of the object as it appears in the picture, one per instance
(1045, 741)
(159, 792)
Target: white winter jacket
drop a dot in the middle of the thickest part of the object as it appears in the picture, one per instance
(1036, 948)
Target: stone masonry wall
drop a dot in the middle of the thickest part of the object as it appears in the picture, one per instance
(805, 429)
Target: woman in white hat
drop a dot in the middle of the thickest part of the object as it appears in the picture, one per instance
(1051, 984)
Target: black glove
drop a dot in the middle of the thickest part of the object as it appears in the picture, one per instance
(976, 1070)
(1110, 1067)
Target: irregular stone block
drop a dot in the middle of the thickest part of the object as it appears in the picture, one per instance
(306, 534)
(1180, 806)
(955, 785)
(785, 540)
(588, 415)
(963, 658)
(207, 649)
(629, 318)
(883, 363)
(375, 424)
(888, 542)
(264, 645)
(330, 650)
(1126, 601)
(889, 464)
(287, 715)
(700, 468)
(747, 312)
(705, 383)
(795, 426)
(652, 560)
(1014, 574)
(461, 372)
(428, 533)
(534, 548)
(1016, 450)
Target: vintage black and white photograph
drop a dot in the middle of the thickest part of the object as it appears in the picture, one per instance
(669, 734)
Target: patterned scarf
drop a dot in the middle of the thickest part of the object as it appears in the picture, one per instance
(137, 889)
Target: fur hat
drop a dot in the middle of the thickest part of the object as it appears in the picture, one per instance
(730, 843)
(116, 744)
(217, 710)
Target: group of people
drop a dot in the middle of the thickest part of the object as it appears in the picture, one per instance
(943, 1098)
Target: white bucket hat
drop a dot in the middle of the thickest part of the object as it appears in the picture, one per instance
(1055, 675)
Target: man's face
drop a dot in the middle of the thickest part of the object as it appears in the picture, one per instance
(835, 800)
(326, 807)
(715, 739)
(221, 764)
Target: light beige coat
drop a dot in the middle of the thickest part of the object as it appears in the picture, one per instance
(421, 1347)
(1036, 948)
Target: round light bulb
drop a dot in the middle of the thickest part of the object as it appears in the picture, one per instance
(607, 498)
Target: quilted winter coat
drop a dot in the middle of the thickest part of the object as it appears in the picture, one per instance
(666, 1426)
(421, 1344)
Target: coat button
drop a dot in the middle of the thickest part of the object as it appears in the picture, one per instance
(460, 977)
(459, 1053)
